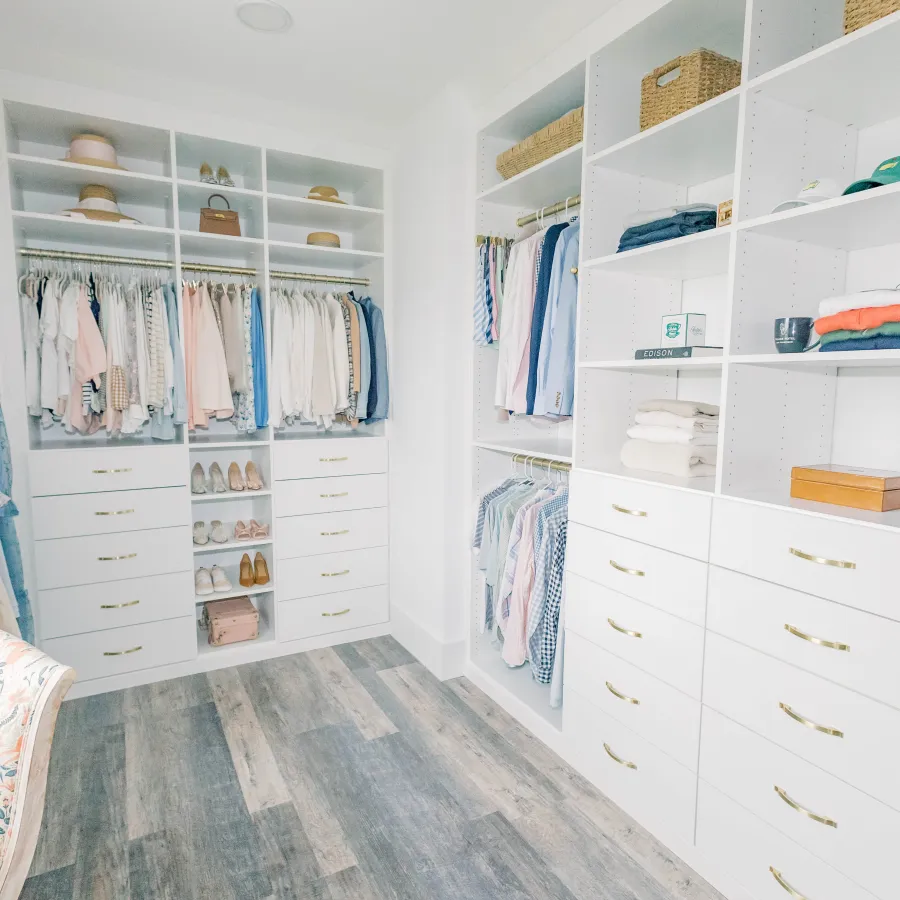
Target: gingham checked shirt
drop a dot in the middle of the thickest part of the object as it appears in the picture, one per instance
(546, 634)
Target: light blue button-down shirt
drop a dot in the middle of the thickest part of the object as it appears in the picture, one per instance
(555, 392)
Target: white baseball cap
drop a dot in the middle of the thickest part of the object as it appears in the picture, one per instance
(815, 192)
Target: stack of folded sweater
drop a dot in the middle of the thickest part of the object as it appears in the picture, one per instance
(867, 320)
(656, 225)
(675, 437)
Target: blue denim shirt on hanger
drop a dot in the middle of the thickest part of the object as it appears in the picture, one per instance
(379, 400)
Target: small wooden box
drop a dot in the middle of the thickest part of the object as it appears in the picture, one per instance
(726, 208)
(232, 621)
(873, 489)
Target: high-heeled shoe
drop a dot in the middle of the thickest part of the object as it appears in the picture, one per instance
(217, 478)
(246, 574)
(235, 479)
(260, 569)
(243, 532)
(254, 482)
(223, 177)
(206, 174)
(198, 480)
(217, 532)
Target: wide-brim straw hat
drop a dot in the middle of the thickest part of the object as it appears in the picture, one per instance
(93, 150)
(323, 239)
(98, 202)
(326, 193)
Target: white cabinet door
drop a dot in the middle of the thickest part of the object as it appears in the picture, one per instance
(329, 457)
(327, 613)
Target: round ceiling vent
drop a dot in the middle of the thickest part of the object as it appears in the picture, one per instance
(264, 15)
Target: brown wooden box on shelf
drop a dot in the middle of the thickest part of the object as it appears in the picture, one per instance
(232, 621)
(873, 489)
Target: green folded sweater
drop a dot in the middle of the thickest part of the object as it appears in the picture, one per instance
(888, 329)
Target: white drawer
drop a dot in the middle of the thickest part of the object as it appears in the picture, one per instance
(750, 687)
(665, 580)
(310, 616)
(309, 496)
(664, 517)
(356, 529)
(75, 515)
(657, 792)
(743, 845)
(332, 573)
(65, 562)
(748, 768)
(668, 647)
(84, 470)
(779, 621)
(759, 541)
(327, 457)
(114, 604)
(128, 649)
(667, 718)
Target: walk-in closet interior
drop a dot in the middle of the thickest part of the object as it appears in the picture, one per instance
(506, 464)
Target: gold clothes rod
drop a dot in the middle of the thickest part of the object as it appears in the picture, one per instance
(541, 463)
(562, 206)
(73, 256)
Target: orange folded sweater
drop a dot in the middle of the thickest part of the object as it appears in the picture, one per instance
(858, 319)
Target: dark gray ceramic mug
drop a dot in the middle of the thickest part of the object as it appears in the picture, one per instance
(792, 334)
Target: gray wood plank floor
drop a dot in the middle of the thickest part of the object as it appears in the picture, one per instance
(342, 774)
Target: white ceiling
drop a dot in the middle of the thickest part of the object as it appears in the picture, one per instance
(370, 62)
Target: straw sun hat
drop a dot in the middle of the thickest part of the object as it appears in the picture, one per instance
(98, 202)
(323, 192)
(323, 239)
(92, 150)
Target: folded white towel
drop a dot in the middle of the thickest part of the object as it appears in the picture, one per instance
(687, 409)
(645, 217)
(858, 300)
(659, 434)
(682, 461)
(692, 424)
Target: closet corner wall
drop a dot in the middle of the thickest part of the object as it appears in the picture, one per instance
(114, 594)
(685, 594)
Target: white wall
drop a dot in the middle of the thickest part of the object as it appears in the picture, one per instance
(432, 187)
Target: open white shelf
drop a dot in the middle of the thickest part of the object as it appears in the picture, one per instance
(287, 210)
(546, 448)
(234, 651)
(636, 365)
(237, 590)
(703, 485)
(542, 185)
(285, 253)
(230, 495)
(844, 359)
(208, 441)
(45, 228)
(202, 189)
(198, 246)
(213, 547)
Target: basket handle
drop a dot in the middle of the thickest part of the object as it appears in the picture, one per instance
(668, 69)
(210, 200)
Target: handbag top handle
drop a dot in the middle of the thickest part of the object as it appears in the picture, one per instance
(221, 197)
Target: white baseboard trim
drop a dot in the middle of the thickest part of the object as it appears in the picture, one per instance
(444, 660)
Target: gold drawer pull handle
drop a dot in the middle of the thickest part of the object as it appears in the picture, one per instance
(624, 697)
(115, 512)
(333, 458)
(334, 533)
(343, 612)
(794, 805)
(622, 630)
(329, 496)
(820, 560)
(780, 879)
(618, 759)
(636, 572)
(112, 558)
(804, 721)
(629, 512)
(122, 652)
(335, 574)
(111, 471)
(833, 645)
(119, 605)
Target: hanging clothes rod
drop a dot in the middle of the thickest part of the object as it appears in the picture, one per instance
(542, 463)
(73, 256)
(562, 206)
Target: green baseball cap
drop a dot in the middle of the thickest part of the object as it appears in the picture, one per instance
(887, 173)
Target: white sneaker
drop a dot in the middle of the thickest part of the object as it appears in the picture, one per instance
(220, 582)
(218, 533)
(201, 535)
(203, 583)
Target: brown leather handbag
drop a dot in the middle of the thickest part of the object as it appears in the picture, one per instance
(220, 221)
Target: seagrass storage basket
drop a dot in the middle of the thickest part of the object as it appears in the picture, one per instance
(565, 132)
(859, 13)
(701, 76)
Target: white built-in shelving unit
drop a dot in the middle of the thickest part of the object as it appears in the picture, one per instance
(159, 185)
(813, 103)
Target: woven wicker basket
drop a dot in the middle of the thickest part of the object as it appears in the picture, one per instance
(550, 140)
(703, 75)
(858, 13)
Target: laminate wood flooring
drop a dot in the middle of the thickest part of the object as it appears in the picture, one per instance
(349, 773)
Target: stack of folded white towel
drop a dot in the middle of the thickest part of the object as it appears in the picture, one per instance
(675, 437)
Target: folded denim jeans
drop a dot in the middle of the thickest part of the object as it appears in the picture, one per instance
(663, 234)
(707, 219)
(888, 342)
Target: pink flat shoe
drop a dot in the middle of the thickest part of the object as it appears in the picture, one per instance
(243, 532)
(257, 530)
